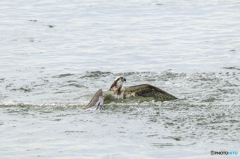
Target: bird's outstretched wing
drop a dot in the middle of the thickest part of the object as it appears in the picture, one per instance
(147, 90)
(96, 101)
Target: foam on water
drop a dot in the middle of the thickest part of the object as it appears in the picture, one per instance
(190, 88)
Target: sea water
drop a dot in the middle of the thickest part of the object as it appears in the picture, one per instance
(56, 54)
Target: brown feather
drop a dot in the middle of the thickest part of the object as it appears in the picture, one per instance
(113, 85)
(117, 91)
(147, 90)
(94, 99)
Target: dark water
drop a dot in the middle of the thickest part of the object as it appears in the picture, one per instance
(56, 54)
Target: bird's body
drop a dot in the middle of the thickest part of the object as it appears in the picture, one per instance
(118, 91)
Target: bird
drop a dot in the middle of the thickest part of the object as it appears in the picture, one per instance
(117, 90)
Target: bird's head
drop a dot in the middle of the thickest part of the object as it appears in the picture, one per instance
(117, 86)
(119, 81)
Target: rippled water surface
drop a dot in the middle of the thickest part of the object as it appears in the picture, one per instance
(56, 54)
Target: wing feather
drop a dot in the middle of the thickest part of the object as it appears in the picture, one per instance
(147, 90)
(97, 100)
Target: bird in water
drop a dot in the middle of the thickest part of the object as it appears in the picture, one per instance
(117, 90)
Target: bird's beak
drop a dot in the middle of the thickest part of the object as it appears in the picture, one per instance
(124, 79)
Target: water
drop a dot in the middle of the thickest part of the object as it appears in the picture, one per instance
(56, 54)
